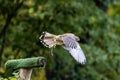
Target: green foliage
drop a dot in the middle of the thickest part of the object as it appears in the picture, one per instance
(98, 30)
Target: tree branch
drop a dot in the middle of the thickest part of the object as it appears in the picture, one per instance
(8, 20)
(9, 17)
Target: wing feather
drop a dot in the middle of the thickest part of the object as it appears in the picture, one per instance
(77, 54)
(69, 42)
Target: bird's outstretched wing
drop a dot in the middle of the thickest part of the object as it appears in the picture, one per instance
(74, 49)
(69, 41)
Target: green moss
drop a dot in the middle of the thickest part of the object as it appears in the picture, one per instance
(12, 65)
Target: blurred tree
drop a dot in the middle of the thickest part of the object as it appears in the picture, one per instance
(96, 22)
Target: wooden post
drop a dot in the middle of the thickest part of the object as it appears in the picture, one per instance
(25, 66)
(25, 74)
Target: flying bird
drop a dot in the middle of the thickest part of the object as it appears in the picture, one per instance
(68, 41)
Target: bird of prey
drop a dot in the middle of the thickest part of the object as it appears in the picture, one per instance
(68, 41)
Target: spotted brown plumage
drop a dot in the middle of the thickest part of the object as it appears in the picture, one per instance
(68, 41)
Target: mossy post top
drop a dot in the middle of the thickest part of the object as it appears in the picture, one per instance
(12, 65)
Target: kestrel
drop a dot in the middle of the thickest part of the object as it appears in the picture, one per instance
(68, 41)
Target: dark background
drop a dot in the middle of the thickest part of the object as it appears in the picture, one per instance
(96, 22)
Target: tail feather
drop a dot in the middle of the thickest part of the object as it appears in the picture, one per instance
(42, 39)
(47, 39)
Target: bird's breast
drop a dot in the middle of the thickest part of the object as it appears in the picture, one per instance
(59, 40)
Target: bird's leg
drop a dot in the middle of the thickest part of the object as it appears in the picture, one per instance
(52, 51)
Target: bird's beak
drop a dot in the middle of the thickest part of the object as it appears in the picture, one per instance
(77, 38)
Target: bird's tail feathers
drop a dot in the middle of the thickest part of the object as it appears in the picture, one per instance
(47, 39)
